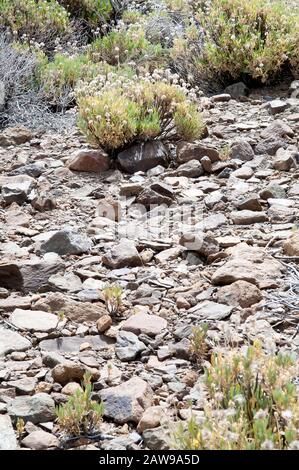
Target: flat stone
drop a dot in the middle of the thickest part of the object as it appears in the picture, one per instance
(8, 439)
(39, 408)
(33, 320)
(209, 310)
(72, 344)
(66, 242)
(187, 151)
(151, 418)
(128, 401)
(277, 106)
(246, 217)
(151, 325)
(11, 341)
(11, 302)
(24, 386)
(122, 255)
(40, 440)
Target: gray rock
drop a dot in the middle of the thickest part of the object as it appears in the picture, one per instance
(237, 90)
(249, 202)
(40, 440)
(190, 169)
(273, 190)
(128, 346)
(33, 320)
(72, 344)
(39, 408)
(241, 150)
(24, 386)
(128, 401)
(31, 169)
(156, 194)
(16, 188)
(36, 274)
(209, 310)
(8, 439)
(11, 341)
(66, 242)
(123, 255)
(143, 157)
(277, 106)
(157, 438)
(247, 217)
(284, 160)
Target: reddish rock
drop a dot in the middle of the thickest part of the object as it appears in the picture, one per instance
(95, 161)
(150, 325)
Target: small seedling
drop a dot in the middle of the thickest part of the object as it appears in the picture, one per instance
(113, 298)
(199, 347)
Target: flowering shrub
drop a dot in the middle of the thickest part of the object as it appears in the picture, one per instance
(92, 12)
(34, 18)
(115, 110)
(252, 404)
(255, 39)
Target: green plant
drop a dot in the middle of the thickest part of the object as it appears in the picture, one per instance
(20, 428)
(93, 12)
(35, 18)
(80, 415)
(127, 44)
(116, 110)
(198, 346)
(251, 404)
(254, 39)
(113, 299)
(225, 152)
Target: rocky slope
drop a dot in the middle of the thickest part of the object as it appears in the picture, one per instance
(210, 238)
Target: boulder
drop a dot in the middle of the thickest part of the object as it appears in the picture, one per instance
(143, 157)
(89, 160)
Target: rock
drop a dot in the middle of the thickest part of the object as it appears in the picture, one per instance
(43, 203)
(104, 323)
(156, 194)
(51, 359)
(24, 386)
(212, 222)
(284, 160)
(237, 90)
(71, 388)
(40, 440)
(214, 198)
(39, 408)
(277, 106)
(251, 264)
(16, 188)
(143, 157)
(249, 202)
(291, 246)
(127, 401)
(122, 255)
(31, 169)
(209, 310)
(73, 310)
(143, 323)
(222, 98)
(15, 136)
(130, 189)
(36, 274)
(166, 255)
(277, 128)
(66, 242)
(190, 169)
(109, 208)
(68, 372)
(269, 146)
(181, 302)
(72, 344)
(33, 320)
(206, 164)
(239, 293)
(95, 161)
(247, 217)
(203, 243)
(10, 276)
(11, 341)
(2, 96)
(151, 418)
(158, 438)
(67, 283)
(241, 150)
(187, 151)
(243, 173)
(294, 89)
(8, 439)
(273, 190)
(128, 346)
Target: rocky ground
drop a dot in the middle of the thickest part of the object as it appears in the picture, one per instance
(218, 244)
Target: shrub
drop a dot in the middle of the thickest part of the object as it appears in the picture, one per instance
(253, 39)
(252, 404)
(93, 12)
(113, 298)
(116, 110)
(80, 415)
(126, 44)
(37, 19)
(199, 346)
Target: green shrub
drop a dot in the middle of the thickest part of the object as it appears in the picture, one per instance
(35, 18)
(116, 110)
(254, 39)
(252, 404)
(93, 12)
(80, 415)
(198, 346)
(113, 298)
(127, 44)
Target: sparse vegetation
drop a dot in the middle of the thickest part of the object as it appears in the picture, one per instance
(80, 415)
(113, 298)
(251, 404)
(199, 347)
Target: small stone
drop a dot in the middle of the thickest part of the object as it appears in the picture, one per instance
(247, 217)
(196, 151)
(284, 160)
(66, 242)
(181, 302)
(68, 372)
(143, 323)
(11, 341)
(143, 156)
(128, 346)
(71, 388)
(40, 440)
(104, 323)
(190, 169)
(203, 243)
(291, 246)
(273, 190)
(237, 90)
(241, 150)
(277, 106)
(222, 98)
(243, 173)
(8, 439)
(151, 418)
(249, 202)
(239, 293)
(206, 164)
(122, 255)
(25, 386)
(33, 320)
(95, 161)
